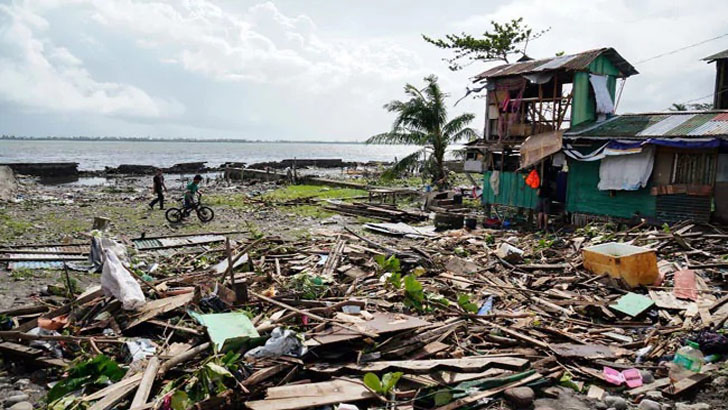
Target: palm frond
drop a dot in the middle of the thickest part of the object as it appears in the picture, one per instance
(401, 166)
(404, 138)
(457, 124)
(463, 134)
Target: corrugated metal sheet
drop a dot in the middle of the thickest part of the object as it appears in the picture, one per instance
(717, 56)
(573, 62)
(675, 208)
(689, 125)
(35, 265)
(583, 196)
(721, 117)
(41, 257)
(665, 125)
(175, 242)
(513, 191)
(50, 249)
(146, 243)
(711, 128)
(641, 126)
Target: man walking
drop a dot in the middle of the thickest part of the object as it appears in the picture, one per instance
(158, 189)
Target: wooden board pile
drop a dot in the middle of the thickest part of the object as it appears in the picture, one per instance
(448, 322)
(382, 212)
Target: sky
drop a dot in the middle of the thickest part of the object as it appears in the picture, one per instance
(306, 70)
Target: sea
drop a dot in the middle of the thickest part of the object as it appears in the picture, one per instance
(96, 155)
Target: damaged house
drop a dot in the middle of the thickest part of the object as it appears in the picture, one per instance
(556, 116)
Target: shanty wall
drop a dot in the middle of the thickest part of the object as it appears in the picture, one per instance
(583, 107)
(582, 195)
(513, 191)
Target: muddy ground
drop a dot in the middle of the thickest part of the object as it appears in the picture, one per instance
(43, 214)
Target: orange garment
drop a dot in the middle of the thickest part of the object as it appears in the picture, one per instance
(533, 180)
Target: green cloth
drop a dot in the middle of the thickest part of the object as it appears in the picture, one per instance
(193, 188)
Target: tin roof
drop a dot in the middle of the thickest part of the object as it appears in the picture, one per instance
(684, 124)
(572, 62)
(717, 56)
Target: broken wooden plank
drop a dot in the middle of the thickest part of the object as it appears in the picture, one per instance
(159, 306)
(473, 398)
(147, 381)
(517, 335)
(303, 396)
(17, 349)
(685, 384)
(381, 323)
(466, 364)
(649, 387)
(586, 351)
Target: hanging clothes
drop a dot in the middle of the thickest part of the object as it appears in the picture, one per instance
(605, 105)
(495, 182)
(626, 172)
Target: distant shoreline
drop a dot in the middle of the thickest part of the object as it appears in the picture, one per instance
(140, 139)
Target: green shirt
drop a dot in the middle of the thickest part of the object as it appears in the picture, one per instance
(192, 188)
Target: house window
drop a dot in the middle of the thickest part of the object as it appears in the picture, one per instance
(693, 168)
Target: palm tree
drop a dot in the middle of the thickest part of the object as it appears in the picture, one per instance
(422, 120)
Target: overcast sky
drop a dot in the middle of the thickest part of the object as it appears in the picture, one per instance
(306, 70)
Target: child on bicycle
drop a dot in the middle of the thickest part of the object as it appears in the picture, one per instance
(193, 188)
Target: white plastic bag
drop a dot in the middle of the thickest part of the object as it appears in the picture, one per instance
(116, 281)
(282, 342)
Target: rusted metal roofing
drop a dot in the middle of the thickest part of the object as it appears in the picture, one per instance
(717, 56)
(572, 62)
(669, 124)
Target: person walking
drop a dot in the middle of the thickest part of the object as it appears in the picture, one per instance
(158, 188)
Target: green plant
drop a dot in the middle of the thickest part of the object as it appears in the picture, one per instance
(383, 386)
(95, 372)
(391, 268)
(497, 44)
(413, 293)
(666, 228)
(544, 243)
(255, 232)
(309, 286)
(465, 303)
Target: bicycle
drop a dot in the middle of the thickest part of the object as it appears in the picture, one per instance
(204, 213)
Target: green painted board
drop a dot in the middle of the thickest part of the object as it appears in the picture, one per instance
(222, 327)
(583, 196)
(582, 106)
(632, 304)
(513, 191)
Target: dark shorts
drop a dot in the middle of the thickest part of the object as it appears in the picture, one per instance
(543, 205)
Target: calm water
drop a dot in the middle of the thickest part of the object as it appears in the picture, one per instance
(95, 155)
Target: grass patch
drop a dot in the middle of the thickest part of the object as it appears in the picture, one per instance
(236, 200)
(290, 192)
(11, 227)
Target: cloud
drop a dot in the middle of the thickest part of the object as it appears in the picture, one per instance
(638, 30)
(261, 45)
(37, 74)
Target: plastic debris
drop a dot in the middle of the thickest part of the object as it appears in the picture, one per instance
(283, 342)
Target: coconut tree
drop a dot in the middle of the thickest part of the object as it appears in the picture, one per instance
(423, 120)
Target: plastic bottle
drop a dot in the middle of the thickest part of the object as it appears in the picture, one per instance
(688, 360)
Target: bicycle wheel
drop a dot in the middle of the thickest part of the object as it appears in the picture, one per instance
(205, 214)
(173, 215)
